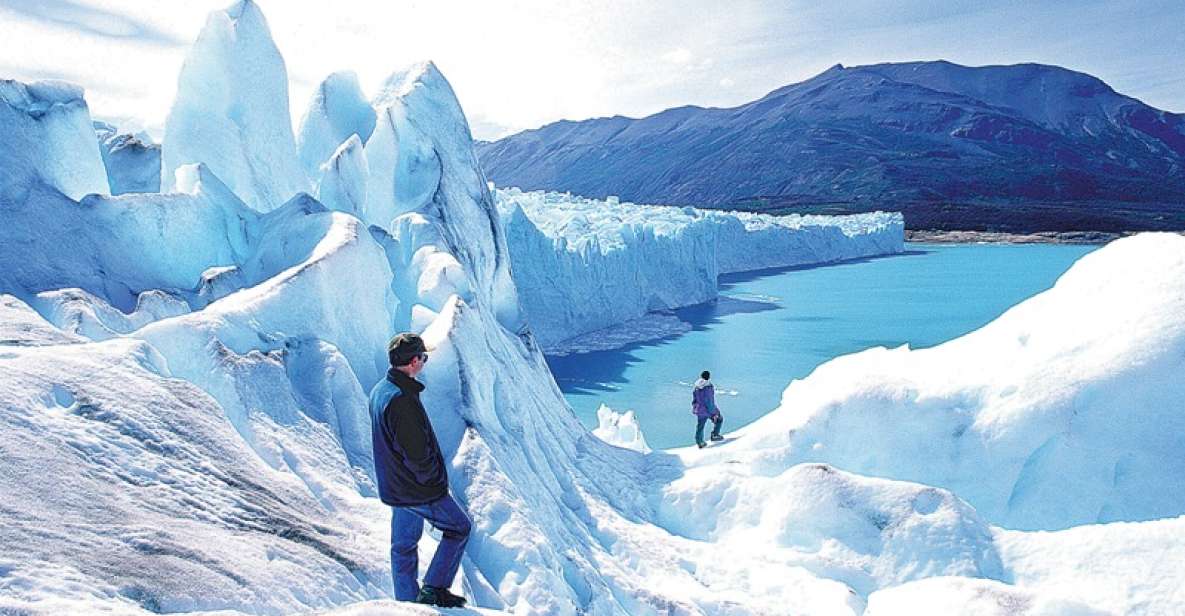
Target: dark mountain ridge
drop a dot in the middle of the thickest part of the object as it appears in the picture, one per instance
(1025, 147)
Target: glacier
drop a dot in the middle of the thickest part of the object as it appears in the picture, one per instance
(231, 111)
(183, 424)
(584, 265)
(337, 110)
(48, 141)
(132, 160)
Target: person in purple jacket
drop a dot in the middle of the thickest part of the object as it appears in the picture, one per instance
(703, 406)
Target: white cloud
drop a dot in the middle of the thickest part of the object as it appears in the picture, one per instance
(679, 56)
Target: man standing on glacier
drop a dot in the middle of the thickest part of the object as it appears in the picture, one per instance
(703, 406)
(413, 479)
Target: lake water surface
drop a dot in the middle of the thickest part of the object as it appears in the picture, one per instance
(768, 328)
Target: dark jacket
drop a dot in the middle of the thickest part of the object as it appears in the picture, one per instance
(407, 461)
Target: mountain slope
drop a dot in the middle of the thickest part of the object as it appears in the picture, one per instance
(882, 135)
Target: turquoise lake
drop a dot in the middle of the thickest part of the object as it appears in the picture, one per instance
(770, 327)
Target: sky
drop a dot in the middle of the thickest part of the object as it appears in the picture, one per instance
(520, 64)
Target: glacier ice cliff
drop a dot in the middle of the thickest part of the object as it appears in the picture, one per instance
(583, 265)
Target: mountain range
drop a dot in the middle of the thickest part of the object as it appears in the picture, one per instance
(1025, 147)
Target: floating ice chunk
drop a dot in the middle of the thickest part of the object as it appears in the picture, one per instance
(132, 161)
(48, 139)
(344, 177)
(653, 326)
(620, 429)
(337, 110)
(231, 111)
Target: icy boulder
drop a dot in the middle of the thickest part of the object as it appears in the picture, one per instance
(1066, 410)
(45, 127)
(132, 161)
(337, 110)
(620, 429)
(583, 265)
(231, 111)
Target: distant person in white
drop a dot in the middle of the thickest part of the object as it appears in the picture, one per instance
(703, 406)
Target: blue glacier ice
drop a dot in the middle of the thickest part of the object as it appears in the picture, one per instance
(48, 141)
(132, 161)
(337, 110)
(183, 378)
(231, 111)
(583, 265)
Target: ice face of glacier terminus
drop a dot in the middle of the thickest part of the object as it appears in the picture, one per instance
(183, 381)
(583, 265)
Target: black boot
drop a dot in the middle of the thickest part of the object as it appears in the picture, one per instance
(440, 597)
(717, 437)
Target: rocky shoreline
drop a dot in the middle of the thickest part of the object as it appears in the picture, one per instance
(991, 237)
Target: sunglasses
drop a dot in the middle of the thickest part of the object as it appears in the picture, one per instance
(423, 358)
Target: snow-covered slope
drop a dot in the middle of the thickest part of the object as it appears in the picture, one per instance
(583, 265)
(1066, 410)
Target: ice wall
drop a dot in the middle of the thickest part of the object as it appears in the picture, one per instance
(120, 247)
(231, 111)
(748, 241)
(582, 265)
(48, 141)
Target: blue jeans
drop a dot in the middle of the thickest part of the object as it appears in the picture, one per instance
(407, 525)
(717, 419)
